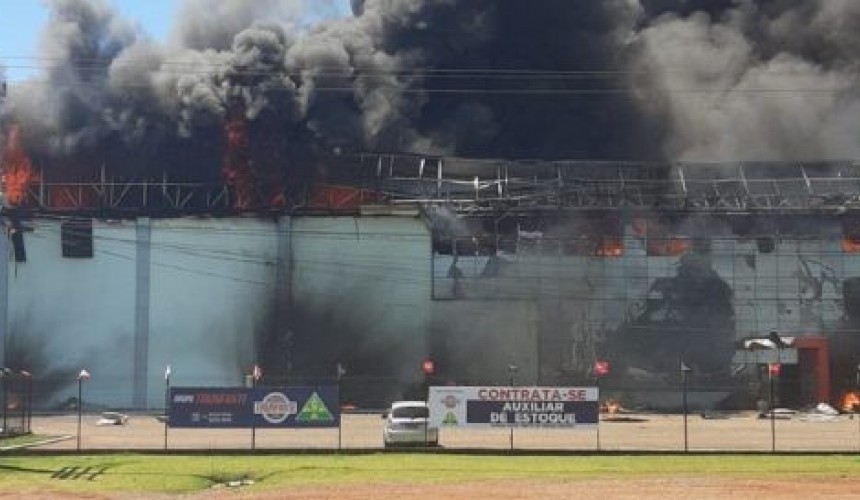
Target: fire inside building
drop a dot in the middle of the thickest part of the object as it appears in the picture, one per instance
(388, 260)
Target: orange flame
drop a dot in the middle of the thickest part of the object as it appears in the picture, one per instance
(850, 402)
(610, 406)
(17, 170)
(610, 248)
(850, 245)
(237, 162)
(668, 247)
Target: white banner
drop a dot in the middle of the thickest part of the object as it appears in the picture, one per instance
(486, 406)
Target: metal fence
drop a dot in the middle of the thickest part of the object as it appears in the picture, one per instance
(686, 421)
(816, 430)
(16, 395)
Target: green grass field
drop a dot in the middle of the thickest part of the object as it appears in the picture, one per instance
(25, 440)
(182, 474)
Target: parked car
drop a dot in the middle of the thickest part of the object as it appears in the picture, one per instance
(407, 424)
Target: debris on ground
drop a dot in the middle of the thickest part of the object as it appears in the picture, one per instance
(624, 418)
(113, 418)
(778, 414)
(715, 415)
(822, 412)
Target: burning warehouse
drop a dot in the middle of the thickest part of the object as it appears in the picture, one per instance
(260, 191)
(549, 266)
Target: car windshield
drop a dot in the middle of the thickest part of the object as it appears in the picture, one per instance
(410, 412)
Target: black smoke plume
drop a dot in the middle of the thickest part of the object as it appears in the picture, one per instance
(614, 79)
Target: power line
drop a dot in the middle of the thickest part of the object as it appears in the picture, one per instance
(527, 76)
(87, 63)
(723, 93)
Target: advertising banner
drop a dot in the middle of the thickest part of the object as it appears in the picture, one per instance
(221, 407)
(477, 406)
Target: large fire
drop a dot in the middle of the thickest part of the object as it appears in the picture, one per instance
(17, 170)
(668, 247)
(237, 162)
(660, 242)
(850, 402)
(610, 406)
(610, 247)
(850, 245)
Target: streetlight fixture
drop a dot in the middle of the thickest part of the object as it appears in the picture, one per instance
(428, 367)
(512, 370)
(29, 400)
(4, 375)
(83, 376)
(256, 375)
(167, 373)
(685, 374)
(341, 371)
(857, 405)
(599, 370)
(773, 371)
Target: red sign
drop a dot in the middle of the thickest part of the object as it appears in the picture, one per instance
(773, 369)
(427, 367)
(601, 368)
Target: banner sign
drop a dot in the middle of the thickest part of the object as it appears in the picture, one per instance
(476, 406)
(261, 407)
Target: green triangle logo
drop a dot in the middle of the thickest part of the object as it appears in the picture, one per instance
(450, 419)
(314, 410)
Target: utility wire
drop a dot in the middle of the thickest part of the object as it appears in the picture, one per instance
(96, 63)
(623, 92)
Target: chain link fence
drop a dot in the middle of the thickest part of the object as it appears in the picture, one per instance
(624, 425)
(16, 396)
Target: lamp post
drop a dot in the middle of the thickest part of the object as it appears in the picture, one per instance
(428, 367)
(83, 376)
(167, 373)
(256, 375)
(773, 373)
(512, 370)
(341, 371)
(599, 370)
(857, 405)
(29, 400)
(4, 375)
(685, 373)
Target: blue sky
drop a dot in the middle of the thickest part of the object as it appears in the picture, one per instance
(19, 38)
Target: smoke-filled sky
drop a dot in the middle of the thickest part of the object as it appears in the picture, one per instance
(717, 80)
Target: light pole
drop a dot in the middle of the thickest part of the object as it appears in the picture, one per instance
(598, 370)
(341, 371)
(167, 373)
(4, 375)
(83, 376)
(256, 375)
(857, 405)
(512, 370)
(685, 373)
(29, 400)
(428, 367)
(773, 373)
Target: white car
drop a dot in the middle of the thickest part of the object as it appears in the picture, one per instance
(407, 423)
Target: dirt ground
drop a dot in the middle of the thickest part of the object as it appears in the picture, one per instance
(663, 488)
(603, 489)
(738, 432)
